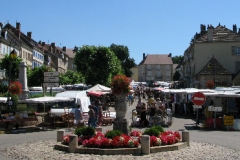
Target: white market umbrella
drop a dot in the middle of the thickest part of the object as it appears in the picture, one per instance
(44, 100)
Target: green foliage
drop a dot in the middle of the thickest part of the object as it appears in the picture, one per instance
(3, 88)
(159, 128)
(122, 53)
(176, 59)
(6, 62)
(85, 131)
(153, 131)
(36, 76)
(21, 107)
(113, 133)
(71, 77)
(97, 64)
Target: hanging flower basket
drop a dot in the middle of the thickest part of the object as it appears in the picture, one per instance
(210, 84)
(15, 88)
(120, 85)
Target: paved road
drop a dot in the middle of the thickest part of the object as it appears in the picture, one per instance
(230, 139)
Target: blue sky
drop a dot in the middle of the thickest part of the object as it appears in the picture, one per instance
(144, 26)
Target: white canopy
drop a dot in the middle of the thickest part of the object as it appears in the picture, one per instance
(47, 99)
(99, 88)
(44, 100)
(3, 99)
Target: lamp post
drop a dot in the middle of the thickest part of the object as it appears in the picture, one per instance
(12, 55)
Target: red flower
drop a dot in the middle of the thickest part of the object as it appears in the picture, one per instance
(136, 133)
(15, 88)
(210, 84)
(120, 84)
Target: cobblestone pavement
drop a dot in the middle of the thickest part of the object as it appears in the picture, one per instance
(44, 150)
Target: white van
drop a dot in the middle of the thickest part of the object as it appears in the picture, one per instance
(80, 97)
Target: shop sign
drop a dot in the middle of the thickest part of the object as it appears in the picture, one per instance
(228, 120)
(214, 109)
(197, 107)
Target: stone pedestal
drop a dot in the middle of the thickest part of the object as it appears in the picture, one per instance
(122, 126)
(23, 81)
(121, 123)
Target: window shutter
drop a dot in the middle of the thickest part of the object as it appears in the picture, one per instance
(233, 50)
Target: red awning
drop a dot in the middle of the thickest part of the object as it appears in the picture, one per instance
(93, 93)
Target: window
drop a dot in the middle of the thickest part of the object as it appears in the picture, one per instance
(149, 73)
(235, 50)
(158, 66)
(159, 74)
(149, 66)
(167, 66)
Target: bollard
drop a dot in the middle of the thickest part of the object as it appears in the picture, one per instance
(145, 144)
(99, 129)
(60, 135)
(185, 137)
(73, 143)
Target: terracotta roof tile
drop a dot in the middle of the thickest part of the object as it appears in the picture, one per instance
(157, 59)
(70, 53)
(220, 33)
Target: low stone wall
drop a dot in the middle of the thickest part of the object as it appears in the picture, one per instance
(143, 149)
(120, 151)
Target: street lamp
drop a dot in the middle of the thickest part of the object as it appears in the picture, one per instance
(13, 55)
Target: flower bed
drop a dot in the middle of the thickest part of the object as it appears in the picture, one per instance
(99, 140)
(115, 143)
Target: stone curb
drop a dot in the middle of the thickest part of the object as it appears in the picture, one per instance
(121, 151)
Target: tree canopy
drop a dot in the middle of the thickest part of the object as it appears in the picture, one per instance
(97, 64)
(176, 59)
(6, 62)
(36, 75)
(122, 52)
(71, 77)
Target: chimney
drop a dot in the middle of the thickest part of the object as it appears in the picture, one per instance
(18, 27)
(29, 34)
(144, 56)
(210, 33)
(43, 43)
(64, 48)
(235, 28)
(75, 49)
(53, 44)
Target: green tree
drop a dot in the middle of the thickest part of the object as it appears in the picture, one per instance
(176, 76)
(71, 77)
(36, 75)
(97, 64)
(176, 59)
(6, 62)
(122, 52)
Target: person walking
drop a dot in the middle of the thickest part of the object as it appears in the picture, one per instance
(78, 114)
(91, 116)
(143, 116)
(96, 111)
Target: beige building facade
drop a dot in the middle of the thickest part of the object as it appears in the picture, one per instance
(155, 67)
(221, 43)
(134, 71)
